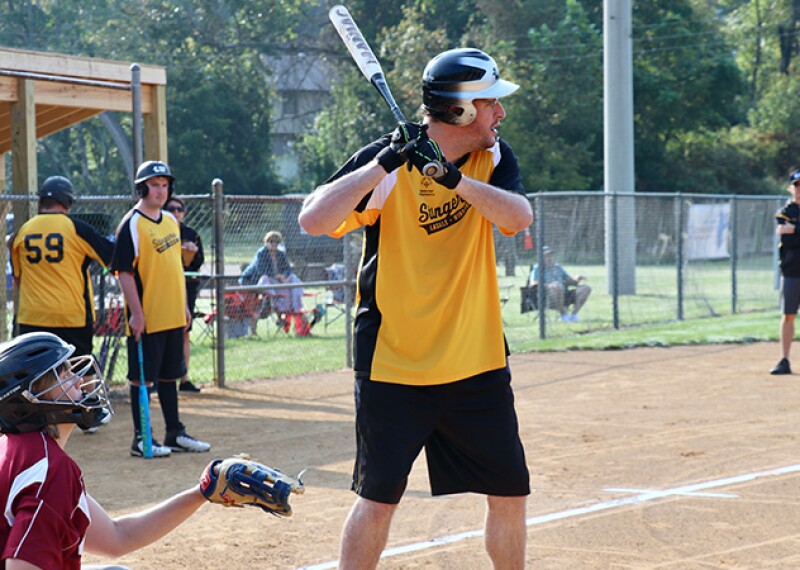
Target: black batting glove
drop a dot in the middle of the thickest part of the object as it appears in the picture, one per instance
(426, 156)
(391, 157)
(451, 176)
(421, 152)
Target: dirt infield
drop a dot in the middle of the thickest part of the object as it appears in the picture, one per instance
(673, 458)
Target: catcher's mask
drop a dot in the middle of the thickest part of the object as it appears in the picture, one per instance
(455, 78)
(37, 385)
(59, 189)
(152, 169)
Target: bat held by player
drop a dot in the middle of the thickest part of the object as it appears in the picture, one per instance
(371, 69)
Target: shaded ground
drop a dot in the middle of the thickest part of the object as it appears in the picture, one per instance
(706, 424)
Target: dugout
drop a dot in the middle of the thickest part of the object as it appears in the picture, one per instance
(43, 93)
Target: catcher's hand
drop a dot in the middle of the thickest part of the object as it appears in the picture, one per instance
(237, 481)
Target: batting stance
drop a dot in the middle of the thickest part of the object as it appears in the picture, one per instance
(50, 519)
(148, 262)
(431, 366)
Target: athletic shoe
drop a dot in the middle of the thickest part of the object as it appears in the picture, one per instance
(103, 421)
(187, 386)
(565, 318)
(182, 442)
(782, 367)
(574, 318)
(137, 448)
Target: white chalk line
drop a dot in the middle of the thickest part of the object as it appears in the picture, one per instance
(640, 496)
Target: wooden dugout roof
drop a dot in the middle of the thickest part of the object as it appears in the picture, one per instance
(51, 85)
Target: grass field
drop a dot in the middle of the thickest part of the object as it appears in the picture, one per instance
(648, 318)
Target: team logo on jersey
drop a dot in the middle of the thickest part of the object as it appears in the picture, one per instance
(437, 218)
(162, 244)
(427, 186)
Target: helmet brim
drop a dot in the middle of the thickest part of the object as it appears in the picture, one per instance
(500, 88)
(146, 178)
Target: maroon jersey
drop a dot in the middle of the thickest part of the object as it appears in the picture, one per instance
(45, 507)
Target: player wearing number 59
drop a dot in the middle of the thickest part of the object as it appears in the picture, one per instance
(51, 255)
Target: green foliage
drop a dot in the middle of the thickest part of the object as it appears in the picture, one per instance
(685, 79)
(555, 121)
(714, 85)
(218, 102)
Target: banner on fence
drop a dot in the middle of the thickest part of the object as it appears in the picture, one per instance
(708, 229)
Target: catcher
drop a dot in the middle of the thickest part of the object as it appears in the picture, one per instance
(50, 519)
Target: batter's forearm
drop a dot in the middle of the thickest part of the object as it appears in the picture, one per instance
(329, 205)
(504, 209)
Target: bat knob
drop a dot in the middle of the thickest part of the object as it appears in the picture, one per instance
(434, 169)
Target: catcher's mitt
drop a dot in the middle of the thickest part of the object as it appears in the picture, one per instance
(237, 481)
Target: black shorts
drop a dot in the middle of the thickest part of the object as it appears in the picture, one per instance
(468, 429)
(790, 295)
(80, 337)
(163, 356)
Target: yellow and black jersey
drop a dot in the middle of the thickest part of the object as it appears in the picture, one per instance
(151, 250)
(428, 300)
(50, 256)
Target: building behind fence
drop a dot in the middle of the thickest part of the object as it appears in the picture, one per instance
(696, 256)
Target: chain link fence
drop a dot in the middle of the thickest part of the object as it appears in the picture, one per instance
(678, 257)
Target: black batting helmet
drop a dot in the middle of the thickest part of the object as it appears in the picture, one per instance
(27, 405)
(453, 79)
(59, 189)
(151, 169)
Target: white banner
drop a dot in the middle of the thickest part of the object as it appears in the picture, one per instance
(709, 227)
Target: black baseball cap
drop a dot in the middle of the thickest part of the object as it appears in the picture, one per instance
(794, 176)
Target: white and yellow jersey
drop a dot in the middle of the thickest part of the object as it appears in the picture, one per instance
(151, 250)
(428, 300)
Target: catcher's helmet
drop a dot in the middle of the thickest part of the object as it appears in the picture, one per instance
(27, 405)
(453, 79)
(151, 169)
(59, 189)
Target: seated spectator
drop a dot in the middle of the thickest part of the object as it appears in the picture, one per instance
(557, 282)
(271, 265)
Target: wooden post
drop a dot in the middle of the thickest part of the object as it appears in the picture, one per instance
(155, 126)
(4, 209)
(23, 148)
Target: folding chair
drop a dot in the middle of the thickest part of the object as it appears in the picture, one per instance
(205, 325)
(529, 299)
(335, 305)
(238, 312)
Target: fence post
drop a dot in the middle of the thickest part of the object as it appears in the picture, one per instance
(136, 104)
(679, 253)
(615, 257)
(219, 278)
(734, 255)
(541, 290)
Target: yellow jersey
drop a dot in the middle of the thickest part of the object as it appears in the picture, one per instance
(50, 256)
(428, 300)
(151, 250)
